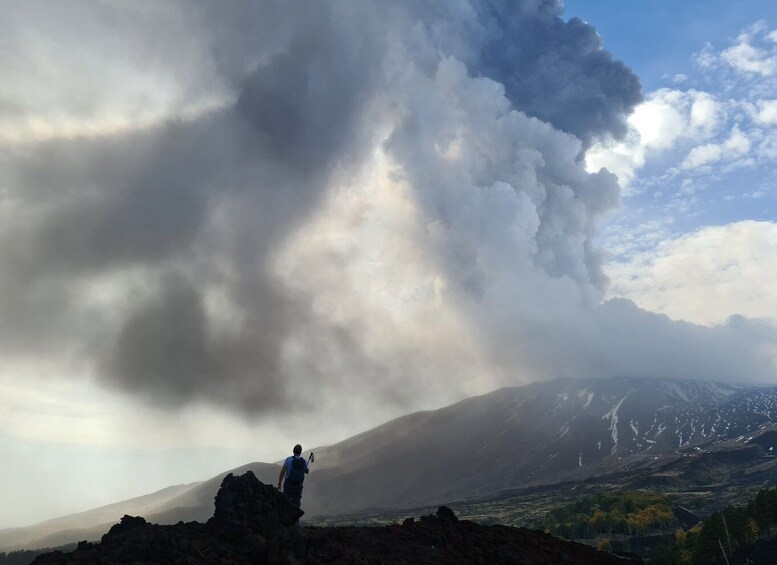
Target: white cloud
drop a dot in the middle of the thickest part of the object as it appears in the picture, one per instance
(765, 112)
(745, 57)
(703, 155)
(706, 113)
(705, 276)
(767, 147)
(680, 133)
(706, 58)
(666, 118)
(737, 145)
(750, 58)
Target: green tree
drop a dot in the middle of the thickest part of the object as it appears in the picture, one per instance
(711, 537)
(764, 511)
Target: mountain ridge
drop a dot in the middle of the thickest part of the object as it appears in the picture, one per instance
(526, 437)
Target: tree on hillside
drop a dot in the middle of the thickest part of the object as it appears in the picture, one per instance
(764, 511)
(710, 547)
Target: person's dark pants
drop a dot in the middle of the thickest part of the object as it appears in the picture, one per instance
(293, 492)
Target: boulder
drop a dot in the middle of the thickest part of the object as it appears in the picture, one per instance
(245, 501)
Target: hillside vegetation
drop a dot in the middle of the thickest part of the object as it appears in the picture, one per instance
(630, 513)
(725, 536)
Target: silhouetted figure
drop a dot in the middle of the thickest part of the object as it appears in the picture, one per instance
(294, 470)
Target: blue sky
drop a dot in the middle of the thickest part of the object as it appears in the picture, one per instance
(655, 37)
(696, 184)
(659, 41)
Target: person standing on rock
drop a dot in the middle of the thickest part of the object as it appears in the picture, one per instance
(294, 469)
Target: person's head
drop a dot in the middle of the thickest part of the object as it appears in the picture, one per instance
(297, 449)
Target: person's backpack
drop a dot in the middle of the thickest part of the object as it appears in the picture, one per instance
(297, 470)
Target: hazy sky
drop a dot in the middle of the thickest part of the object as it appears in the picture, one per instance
(226, 228)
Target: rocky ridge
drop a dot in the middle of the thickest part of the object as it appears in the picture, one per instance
(254, 523)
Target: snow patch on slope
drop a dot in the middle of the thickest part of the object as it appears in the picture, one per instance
(613, 417)
(586, 396)
(674, 390)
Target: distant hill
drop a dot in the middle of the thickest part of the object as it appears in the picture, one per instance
(529, 437)
(85, 525)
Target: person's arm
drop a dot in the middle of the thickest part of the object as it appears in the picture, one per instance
(280, 477)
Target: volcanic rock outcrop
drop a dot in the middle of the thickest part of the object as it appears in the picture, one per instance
(254, 523)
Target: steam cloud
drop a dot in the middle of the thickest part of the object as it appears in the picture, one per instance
(391, 201)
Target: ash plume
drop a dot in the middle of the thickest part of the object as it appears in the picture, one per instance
(387, 201)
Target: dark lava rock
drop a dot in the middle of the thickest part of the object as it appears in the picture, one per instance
(444, 539)
(245, 501)
(254, 523)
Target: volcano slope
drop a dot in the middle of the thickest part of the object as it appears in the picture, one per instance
(254, 523)
(537, 436)
(520, 450)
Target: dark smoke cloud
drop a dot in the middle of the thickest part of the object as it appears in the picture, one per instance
(151, 201)
(551, 68)
(159, 256)
(566, 79)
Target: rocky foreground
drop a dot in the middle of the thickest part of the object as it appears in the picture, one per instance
(254, 523)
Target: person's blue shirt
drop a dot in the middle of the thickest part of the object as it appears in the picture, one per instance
(289, 460)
